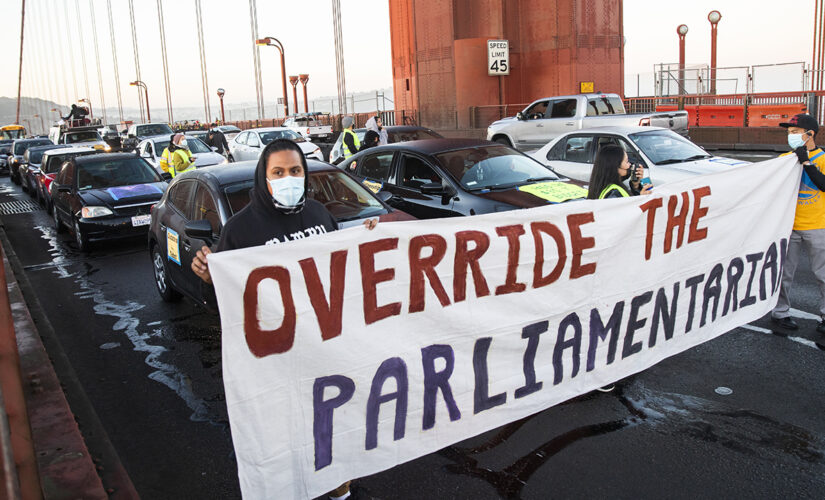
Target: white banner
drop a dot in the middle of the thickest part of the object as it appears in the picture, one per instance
(348, 353)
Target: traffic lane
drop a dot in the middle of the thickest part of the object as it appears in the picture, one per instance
(664, 432)
(151, 369)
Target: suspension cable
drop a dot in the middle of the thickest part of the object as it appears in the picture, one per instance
(70, 48)
(165, 63)
(137, 60)
(97, 61)
(83, 53)
(256, 58)
(204, 80)
(114, 60)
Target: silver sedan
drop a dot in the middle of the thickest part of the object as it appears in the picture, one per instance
(249, 144)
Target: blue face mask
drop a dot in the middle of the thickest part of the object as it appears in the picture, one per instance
(287, 191)
(795, 141)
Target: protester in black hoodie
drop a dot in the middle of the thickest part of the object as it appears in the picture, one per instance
(278, 211)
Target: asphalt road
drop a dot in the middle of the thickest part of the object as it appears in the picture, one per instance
(152, 372)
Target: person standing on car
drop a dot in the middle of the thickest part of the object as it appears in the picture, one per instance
(278, 211)
(217, 140)
(610, 169)
(182, 159)
(809, 220)
(349, 142)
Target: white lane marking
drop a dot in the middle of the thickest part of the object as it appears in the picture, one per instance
(796, 313)
(800, 340)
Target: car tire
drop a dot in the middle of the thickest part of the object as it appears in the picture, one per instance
(58, 226)
(80, 239)
(162, 285)
(503, 140)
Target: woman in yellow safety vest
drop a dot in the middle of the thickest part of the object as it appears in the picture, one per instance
(349, 140)
(610, 169)
(181, 159)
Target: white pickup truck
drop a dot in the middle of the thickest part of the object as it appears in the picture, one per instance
(310, 127)
(550, 117)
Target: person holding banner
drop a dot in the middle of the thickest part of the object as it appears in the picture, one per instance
(610, 169)
(278, 211)
(809, 221)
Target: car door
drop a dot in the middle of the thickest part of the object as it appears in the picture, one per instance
(559, 119)
(61, 192)
(574, 156)
(172, 222)
(205, 208)
(374, 172)
(238, 147)
(253, 146)
(530, 131)
(411, 173)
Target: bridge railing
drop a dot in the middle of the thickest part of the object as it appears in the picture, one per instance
(388, 117)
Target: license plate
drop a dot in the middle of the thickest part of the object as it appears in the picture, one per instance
(141, 220)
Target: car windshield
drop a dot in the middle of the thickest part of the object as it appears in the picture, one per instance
(489, 167)
(664, 147)
(4, 150)
(155, 129)
(229, 129)
(412, 135)
(90, 135)
(343, 197)
(35, 156)
(21, 147)
(54, 163)
(113, 173)
(194, 144)
(268, 137)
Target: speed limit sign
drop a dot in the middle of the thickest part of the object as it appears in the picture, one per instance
(498, 57)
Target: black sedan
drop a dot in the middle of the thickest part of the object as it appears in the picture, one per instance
(452, 177)
(395, 133)
(199, 202)
(105, 196)
(18, 149)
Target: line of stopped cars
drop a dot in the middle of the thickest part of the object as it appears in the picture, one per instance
(102, 196)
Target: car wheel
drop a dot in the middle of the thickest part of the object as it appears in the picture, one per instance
(80, 238)
(165, 290)
(58, 226)
(503, 140)
(13, 177)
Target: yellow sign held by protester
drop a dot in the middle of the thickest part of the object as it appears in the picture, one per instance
(555, 192)
(372, 185)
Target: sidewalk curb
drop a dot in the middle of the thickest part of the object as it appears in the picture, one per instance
(66, 430)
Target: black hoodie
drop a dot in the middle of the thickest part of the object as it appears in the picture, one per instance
(263, 223)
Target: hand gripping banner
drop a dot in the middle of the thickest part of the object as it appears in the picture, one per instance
(348, 353)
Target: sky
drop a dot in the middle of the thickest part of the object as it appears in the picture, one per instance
(750, 33)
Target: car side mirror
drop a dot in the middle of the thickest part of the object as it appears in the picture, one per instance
(435, 188)
(384, 195)
(166, 176)
(214, 149)
(519, 116)
(64, 189)
(199, 230)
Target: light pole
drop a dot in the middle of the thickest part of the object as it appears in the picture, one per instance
(294, 81)
(714, 17)
(140, 84)
(682, 31)
(42, 125)
(304, 80)
(87, 101)
(221, 92)
(278, 45)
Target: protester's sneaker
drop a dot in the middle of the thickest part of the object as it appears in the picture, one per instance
(821, 326)
(787, 323)
(607, 388)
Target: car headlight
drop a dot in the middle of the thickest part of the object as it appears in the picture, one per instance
(92, 212)
(107, 148)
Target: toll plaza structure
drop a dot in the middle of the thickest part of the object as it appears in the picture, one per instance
(556, 47)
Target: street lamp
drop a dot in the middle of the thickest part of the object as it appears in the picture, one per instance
(140, 84)
(221, 92)
(304, 80)
(714, 17)
(42, 125)
(87, 101)
(682, 30)
(294, 81)
(278, 45)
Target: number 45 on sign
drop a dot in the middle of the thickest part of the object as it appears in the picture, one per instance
(498, 57)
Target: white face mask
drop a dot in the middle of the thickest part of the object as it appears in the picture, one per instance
(183, 144)
(287, 191)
